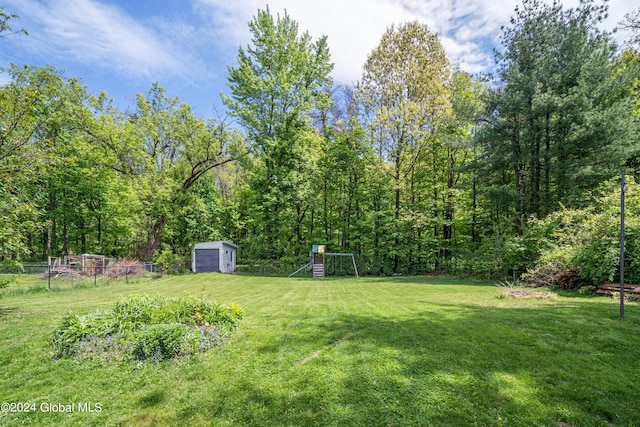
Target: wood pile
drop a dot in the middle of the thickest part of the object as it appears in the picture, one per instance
(611, 288)
(124, 267)
(59, 271)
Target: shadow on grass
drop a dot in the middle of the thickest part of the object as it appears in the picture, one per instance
(561, 364)
(7, 311)
(390, 280)
(153, 398)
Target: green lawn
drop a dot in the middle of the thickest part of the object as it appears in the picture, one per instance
(348, 352)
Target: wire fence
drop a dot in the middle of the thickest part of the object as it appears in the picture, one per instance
(46, 275)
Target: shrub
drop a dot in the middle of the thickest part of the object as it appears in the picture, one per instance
(160, 342)
(137, 312)
(147, 327)
(65, 338)
(171, 263)
(587, 241)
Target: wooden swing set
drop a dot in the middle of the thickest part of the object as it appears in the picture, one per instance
(319, 261)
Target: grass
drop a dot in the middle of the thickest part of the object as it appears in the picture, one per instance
(368, 352)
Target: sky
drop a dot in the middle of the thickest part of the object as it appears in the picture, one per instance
(123, 46)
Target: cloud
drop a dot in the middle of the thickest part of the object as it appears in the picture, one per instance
(468, 29)
(191, 42)
(354, 27)
(100, 35)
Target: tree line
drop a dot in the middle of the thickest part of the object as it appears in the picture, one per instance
(419, 167)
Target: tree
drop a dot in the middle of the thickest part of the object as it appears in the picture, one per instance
(461, 191)
(38, 111)
(164, 149)
(340, 177)
(631, 23)
(274, 88)
(558, 122)
(5, 17)
(405, 91)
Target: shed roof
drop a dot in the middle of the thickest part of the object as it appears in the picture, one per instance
(203, 245)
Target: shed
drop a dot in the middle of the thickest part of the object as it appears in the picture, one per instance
(214, 256)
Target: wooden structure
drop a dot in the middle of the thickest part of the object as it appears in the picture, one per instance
(214, 256)
(318, 261)
(74, 265)
(86, 263)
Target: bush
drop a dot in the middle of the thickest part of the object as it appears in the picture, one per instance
(586, 242)
(160, 342)
(65, 338)
(147, 327)
(171, 263)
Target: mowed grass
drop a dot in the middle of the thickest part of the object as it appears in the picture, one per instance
(339, 352)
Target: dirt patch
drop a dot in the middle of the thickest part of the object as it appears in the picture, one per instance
(522, 293)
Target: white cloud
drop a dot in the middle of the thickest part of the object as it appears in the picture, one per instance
(99, 35)
(191, 45)
(354, 27)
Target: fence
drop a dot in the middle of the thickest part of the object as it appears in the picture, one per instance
(60, 275)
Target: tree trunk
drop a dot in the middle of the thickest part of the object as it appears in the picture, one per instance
(396, 241)
(154, 239)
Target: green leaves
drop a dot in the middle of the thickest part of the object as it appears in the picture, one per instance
(277, 84)
(558, 126)
(144, 327)
(278, 80)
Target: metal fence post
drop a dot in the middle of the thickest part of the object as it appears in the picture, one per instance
(623, 189)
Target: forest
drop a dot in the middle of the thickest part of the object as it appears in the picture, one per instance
(418, 168)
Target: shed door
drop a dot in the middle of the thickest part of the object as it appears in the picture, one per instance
(207, 260)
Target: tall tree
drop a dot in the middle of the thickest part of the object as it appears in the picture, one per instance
(165, 149)
(558, 122)
(461, 190)
(39, 111)
(274, 88)
(405, 87)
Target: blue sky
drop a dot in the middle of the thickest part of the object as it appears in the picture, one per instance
(123, 46)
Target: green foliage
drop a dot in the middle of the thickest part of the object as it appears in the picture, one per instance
(588, 240)
(274, 89)
(160, 342)
(5, 17)
(146, 327)
(406, 94)
(70, 331)
(421, 167)
(169, 262)
(559, 124)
